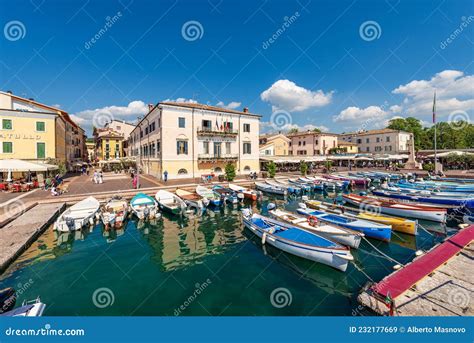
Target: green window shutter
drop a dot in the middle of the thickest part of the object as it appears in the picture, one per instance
(7, 147)
(6, 124)
(40, 126)
(40, 150)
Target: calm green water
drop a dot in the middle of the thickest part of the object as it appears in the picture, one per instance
(207, 265)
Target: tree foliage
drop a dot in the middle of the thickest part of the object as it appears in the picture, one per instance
(303, 167)
(230, 172)
(271, 168)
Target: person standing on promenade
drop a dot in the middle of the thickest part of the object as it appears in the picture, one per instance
(101, 177)
(94, 177)
(165, 175)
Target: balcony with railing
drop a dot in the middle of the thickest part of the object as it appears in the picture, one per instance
(211, 131)
(217, 157)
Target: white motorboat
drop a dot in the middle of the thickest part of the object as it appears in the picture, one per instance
(170, 202)
(114, 212)
(193, 200)
(78, 215)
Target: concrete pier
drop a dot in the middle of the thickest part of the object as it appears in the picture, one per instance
(19, 234)
(438, 283)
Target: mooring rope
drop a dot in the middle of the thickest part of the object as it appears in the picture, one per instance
(398, 236)
(382, 253)
(362, 271)
(425, 229)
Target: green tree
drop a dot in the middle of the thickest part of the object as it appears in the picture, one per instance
(271, 168)
(412, 125)
(230, 172)
(293, 130)
(303, 167)
(316, 130)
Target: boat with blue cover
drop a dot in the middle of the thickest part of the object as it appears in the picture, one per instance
(213, 198)
(291, 189)
(303, 186)
(370, 229)
(297, 241)
(227, 195)
(144, 206)
(429, 185)
(441, 201)
(315, 185)
(265, 187)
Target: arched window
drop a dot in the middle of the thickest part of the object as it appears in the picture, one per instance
(218, 170)
(246, 168)
(182, 171)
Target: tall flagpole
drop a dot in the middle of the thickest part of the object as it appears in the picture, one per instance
(435, 133)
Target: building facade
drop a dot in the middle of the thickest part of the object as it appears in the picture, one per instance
(274, 145)
(384, 141)
(347, 147)
(191, 140)
(312, 143)
(108, 144)
(123, 128)
(37, 132)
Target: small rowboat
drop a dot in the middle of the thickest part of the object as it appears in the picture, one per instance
(193, 200)
(370, 229)
(227, 194)
(317, 185)
(170, 202)
(247, 192)
(397, 208)
(430, 185)
(114, 212)
(265, 187)
(144, 206)
(402, 225)
(78, 215)
(214, 199)
(298, 242)
(331, 232)
(291, 189)
(304, 186)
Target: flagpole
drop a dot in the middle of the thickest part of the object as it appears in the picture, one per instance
(435, 134)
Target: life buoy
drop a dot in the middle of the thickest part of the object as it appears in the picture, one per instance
(312, 220)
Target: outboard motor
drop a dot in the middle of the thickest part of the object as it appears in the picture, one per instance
(246, 212)
(146, 212)
(271, 206)
(371, 188)
(70, 223)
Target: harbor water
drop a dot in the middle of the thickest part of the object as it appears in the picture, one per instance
(196, 266)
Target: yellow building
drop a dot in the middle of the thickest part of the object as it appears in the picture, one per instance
(274, 145)
(109, 144)
(347, 147)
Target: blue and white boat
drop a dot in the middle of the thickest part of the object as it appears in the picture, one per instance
(370, 229)
(315, 185)
(227, 195)
(304, 186)
(213, 198)
(265, 187)
(430, 185)
(297, 241)
(144, 206)
(440, 201)
(291, 189)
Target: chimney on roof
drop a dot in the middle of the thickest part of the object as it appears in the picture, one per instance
(32, 99)
(9, 92)
(150, 107)
(246, 110)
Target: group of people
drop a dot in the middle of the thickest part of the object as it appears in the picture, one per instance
(98, 177)
(53, 184)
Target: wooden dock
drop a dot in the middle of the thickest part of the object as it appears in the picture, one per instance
(438, 283)
(19, 234)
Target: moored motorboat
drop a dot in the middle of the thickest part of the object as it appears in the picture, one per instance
(441, 201)
(291, 189)
(227, 195)
(368, 228)
(331, 232)
(78, 215)
(393, 207)
(33, 308)
(114, 212)
(297, 241)
(212, 197)
(247, 192)
(265, 187)
(170, 202)
(144, 206)
(304, 187)
(193, 200)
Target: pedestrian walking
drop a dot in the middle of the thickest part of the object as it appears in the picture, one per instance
(101, 177)
(165, 175)
(94, 177)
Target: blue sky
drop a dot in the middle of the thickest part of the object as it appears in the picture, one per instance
(321, 70)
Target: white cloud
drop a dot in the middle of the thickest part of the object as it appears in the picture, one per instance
(191, 101)
(454, 91)
(356, 114)
(286, 95)
(396, 109)
(231, 105)
(269, 127)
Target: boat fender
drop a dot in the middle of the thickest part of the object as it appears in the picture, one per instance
(362, 193)
(302, 205)
(419, 253)
(271, 206)
(264, 238)
(312, 220)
